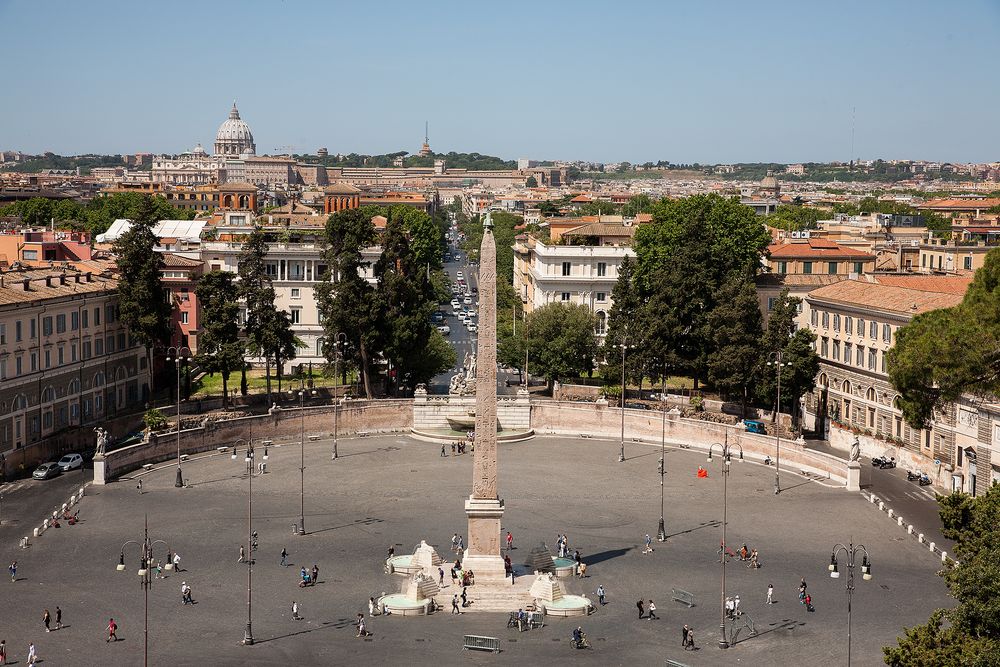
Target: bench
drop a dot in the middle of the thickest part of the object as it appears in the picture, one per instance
(478, 643)
(147, 467)
(362, 434)
(674, 663)
(682, 596)
(313, 438)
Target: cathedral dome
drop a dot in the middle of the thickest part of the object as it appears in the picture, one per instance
(234, 137)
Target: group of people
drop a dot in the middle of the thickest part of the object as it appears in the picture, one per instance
(647, 612)
(562, 545)
(309, 577)
(750, 556)
(733, 607)
(804, 596)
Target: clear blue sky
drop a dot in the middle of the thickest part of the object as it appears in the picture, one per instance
(684, 81)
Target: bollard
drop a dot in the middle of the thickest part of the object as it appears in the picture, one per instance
(873, 499)
(890, 513)
(295, 529)
(899, 520)
(65, 506)
(920, 538)
(944, 556)
(909, 529)
(931, 545)
(881, 505)
(36, 532)
(81, 491)
(72, 500)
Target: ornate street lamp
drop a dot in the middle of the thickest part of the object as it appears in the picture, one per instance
(726, 451)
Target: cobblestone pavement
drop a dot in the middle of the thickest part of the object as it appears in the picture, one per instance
(394, 490)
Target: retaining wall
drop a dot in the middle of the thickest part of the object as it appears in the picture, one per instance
(383, 416)
(432, 412)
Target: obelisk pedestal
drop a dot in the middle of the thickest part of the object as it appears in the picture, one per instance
(484, 507)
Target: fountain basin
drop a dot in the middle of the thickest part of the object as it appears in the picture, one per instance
(565, 567)
(567, 605)
(398, 603)
(403, 564)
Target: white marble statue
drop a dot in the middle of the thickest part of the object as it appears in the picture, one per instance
(102, 441)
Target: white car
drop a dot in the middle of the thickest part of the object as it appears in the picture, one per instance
(472, 312)
(444, 329)
(459, 275)
(70, 462)
(455, 303)
(467, 301)
(472, 327)
(463, 317)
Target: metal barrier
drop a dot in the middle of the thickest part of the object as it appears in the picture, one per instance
(682, 596)
(477, 643)
(674, 663)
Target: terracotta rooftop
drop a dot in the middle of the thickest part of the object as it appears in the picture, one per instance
(961, 203)
(179, 261)
(799, 279)
(341, 188)
(887, 298)
(815, 249)
(12, 285)
(602, 229)
(942, 284)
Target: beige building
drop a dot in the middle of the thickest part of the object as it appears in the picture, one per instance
(66, 361)
(855, 322)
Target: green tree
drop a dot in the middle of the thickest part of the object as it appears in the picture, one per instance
(944, 353)
(971, 634)
(561, 341)
(800, 363)
(142, 299)
(347, 302)
(438, 355)
(734, 365)
(795, 217)
(219, 346)
(531, 182)
(638, 204)
(262, 326)
(623, 326)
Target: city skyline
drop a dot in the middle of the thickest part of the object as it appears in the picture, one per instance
(645, 84)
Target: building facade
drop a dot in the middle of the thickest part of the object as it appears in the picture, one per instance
(66, 361)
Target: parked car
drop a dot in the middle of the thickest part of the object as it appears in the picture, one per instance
(47, 470)
(754, 426)
(473, 327)
(455, 303)
(467, 301)
(459, 275)
(445, 329)
(70, 462)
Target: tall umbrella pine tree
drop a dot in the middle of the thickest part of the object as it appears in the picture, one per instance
(143, 304)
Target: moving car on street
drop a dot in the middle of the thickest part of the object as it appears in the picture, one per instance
(70, 462)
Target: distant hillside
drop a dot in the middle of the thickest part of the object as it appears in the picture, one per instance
(39, 163)
(453, 160)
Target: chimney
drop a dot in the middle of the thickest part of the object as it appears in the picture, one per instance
(62, 278)
(89, 276)
(77, 276)
(27, 284)
(48, 281)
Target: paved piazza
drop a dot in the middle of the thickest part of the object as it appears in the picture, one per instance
(394, 490)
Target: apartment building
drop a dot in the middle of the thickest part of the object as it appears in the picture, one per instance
(856, 322)
(580, 274)
(65, 359)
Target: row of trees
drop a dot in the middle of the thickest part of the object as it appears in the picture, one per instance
(386, 324)
(96, 215)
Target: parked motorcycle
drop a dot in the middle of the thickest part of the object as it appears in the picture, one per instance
(882, 462)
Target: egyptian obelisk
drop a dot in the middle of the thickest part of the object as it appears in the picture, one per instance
(484, 507)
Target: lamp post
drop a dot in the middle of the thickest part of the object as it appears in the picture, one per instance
(302, 453)
(850, 550)
(145, 564)
(661, 533)
(249, 458)
(775, 360)
(178, 355)
(621, 452)
(726, 451)
(339, 349)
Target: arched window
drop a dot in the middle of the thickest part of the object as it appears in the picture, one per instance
(602, 323)
(824, 381)
(74, 387)
(20, 402)
(870, 395)
(120, 374)
(847, 387)
(99, 379)
(48, 394)
(319, 346)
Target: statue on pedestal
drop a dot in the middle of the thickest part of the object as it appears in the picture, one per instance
(856, 449)
(102, 442)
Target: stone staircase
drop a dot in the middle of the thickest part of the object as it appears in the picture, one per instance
(498, 597)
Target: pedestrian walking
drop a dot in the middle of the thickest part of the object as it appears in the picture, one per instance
(510, 541)
(46, 619)
(112, 630)
(465, 598)
(649, 545)
(440, 576)
(243, 555)
(139, 486)
(177, 562)
(159, 570)
(3, 651)
(315, 573)
(808, 602)
(770, 593)
(12, 568)
(690, 641)
(58, 618)
(581, 570)
(454, 543)
(371, 606)
(652, 612)
(600, 594)
(641, 608)
(461, 544)
(186, 593)
(684, 636)
(284, 555)
(253, 541)
(31, 654)
(295, 611)
(362, 629)
(454, 604)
